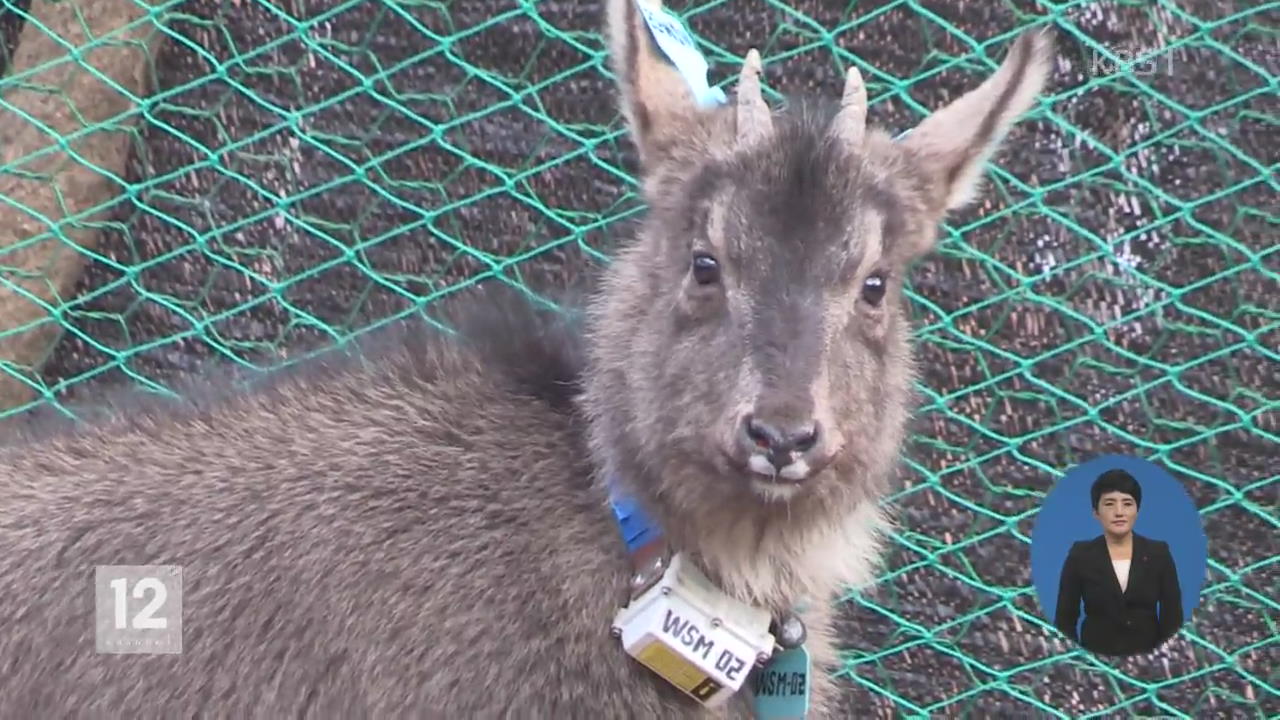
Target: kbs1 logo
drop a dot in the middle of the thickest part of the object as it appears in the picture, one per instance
(1129, 60)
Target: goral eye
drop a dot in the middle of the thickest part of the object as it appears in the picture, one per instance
(706, 269)
(873, 288)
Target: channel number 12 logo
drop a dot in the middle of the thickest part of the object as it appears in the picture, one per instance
(138, 608)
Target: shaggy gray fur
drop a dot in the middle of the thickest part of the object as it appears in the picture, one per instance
(422, 530)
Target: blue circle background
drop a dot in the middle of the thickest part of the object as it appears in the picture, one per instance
(1167, 514)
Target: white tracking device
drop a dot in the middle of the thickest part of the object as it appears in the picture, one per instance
(689, 632)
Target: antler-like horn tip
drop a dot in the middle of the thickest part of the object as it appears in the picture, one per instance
(753, 113)
(850, 122)
(854, 87)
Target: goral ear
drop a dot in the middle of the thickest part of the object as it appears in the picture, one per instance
(954, 143)
(657, 102)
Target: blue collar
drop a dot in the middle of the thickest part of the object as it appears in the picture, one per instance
(637, 528)
(642, 535)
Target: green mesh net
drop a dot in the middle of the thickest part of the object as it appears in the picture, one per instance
(302, 171)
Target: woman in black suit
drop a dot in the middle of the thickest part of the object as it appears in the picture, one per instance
(1129, 584)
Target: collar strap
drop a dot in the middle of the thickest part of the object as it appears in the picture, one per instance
(647, 548)
(643, 537)
(637, 528)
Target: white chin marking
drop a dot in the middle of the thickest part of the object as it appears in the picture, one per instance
(797, 470)
(760, 465)
(775, 491)
(777, 488)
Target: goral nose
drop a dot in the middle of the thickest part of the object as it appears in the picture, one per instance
(781, 442)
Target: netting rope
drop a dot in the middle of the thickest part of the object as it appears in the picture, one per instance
(308, 170)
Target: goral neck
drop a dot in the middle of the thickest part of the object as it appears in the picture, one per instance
(776, 562)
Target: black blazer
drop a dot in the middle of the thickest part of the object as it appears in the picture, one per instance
(1117, 623)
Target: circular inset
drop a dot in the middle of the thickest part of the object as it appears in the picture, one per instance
(1118, 555)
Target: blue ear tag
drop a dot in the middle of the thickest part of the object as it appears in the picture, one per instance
(902, 134)
(782, 686)
(677, 44)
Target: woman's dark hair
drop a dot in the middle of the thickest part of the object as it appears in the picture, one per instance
(1116, 480)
